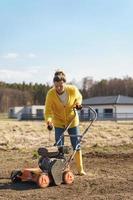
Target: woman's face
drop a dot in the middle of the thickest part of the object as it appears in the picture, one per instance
(59, 86)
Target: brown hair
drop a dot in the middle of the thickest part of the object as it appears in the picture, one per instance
(59, 76)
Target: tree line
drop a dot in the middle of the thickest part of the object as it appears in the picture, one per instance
(21, 94)
(111, 87)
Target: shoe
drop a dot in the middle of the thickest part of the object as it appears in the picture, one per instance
(82, 173)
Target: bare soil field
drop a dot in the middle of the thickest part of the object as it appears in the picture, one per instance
(107, 156)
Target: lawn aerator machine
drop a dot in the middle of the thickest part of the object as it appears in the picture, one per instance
(51, 170)
(53, 167)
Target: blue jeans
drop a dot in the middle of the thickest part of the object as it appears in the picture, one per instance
(74, 138)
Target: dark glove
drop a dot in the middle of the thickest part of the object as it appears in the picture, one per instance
(49, 126)
(78, 106)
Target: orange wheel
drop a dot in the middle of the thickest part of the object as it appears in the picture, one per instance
(68, 177)
(43, 181)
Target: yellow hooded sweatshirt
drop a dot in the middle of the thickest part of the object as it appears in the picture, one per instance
(60, 114)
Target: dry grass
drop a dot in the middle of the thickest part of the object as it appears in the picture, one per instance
(33, 134)
(109, 133)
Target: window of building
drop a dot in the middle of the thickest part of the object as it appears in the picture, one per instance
(108, 113)
(39, 112)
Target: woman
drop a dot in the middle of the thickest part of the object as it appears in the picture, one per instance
(60, 101)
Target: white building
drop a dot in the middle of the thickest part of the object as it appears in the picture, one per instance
(109, 107)
(26, 112)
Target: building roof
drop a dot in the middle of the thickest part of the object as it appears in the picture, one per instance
(109, 100)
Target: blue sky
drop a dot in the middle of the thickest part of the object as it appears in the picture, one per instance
(83, 37)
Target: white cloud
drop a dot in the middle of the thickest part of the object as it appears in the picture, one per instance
(16, 55)
(27, 75)
(38, 74)
(31, 55)
(11, 56)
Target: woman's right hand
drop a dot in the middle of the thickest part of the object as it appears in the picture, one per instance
(49, 126)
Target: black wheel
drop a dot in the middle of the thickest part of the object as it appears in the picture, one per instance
(15, 176)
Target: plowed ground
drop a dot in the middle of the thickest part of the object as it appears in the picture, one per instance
(109, 176)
